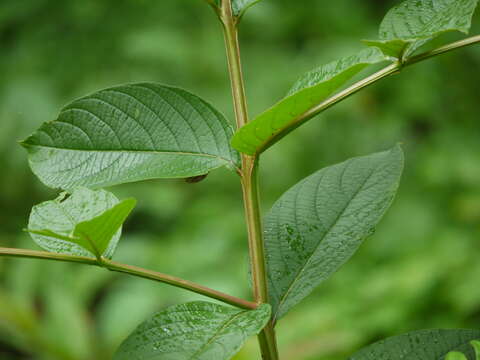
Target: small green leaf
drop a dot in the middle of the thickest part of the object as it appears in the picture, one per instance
(196, 330)
(308, 91)
(413, 23)
(240, 6)
(99, 231)
(86, 223)
(421, 345)
(455, 355)
(131, 133)
(317, 225)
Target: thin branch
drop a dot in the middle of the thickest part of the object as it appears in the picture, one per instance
(132, 270)
(369, 80)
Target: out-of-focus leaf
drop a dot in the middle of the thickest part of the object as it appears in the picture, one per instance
(131, 133)
(53, 224)
(315, 86)
(317, 225)
(196, 330)
(413, 23)
(421, 345)
(476, 346)
(455, 355)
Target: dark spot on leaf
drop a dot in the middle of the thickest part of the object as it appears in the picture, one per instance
(195, 179)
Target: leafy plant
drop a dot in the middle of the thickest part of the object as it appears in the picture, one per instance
(144, 131)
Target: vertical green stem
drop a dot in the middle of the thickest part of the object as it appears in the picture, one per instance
(249, 174)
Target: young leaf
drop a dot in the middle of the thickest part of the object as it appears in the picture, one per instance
(310, 90)
(413, 23)
(196, 330)
(240, 6)
(421, 345)
(317, 225)
(86, 223)
(99, 231)
(130, 133)
(455, 355)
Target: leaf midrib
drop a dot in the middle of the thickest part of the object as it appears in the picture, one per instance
(163, 152)
(212, 338)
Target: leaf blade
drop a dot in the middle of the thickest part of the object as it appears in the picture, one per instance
(317, 225)
(130, 133)
(413, 23)
(308, 91)
(100, 230)
(196, 330)
(422, 345)
(52, 223)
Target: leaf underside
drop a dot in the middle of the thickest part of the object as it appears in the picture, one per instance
(52, 223)
(308, 91)
(197, 330)
(421, 345)
(317, 225)
(131, 133)
(413, 23)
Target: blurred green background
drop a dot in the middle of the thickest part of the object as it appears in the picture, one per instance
(419, 270)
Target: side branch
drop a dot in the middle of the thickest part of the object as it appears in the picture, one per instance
(369, 80)
(132, 270)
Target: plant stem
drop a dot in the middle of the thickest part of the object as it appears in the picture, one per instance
(132, 270)
(249, 175)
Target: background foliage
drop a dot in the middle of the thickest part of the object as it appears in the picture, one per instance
(419, 270)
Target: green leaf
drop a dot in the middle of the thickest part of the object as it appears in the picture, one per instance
(99, 231)
(196, 330)
(413, 23)
(240, 6)
(317, 225)
(476, 346)
(421, 345)
(131, 133)
(455, 355)
(87, 222)
(308, 91)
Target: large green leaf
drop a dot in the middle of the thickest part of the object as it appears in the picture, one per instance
(86, 223)
(317, 225)
(421, 345)
(455, 355)
(131, 133)
(196, 330)
(310, 90)
(413, 23)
